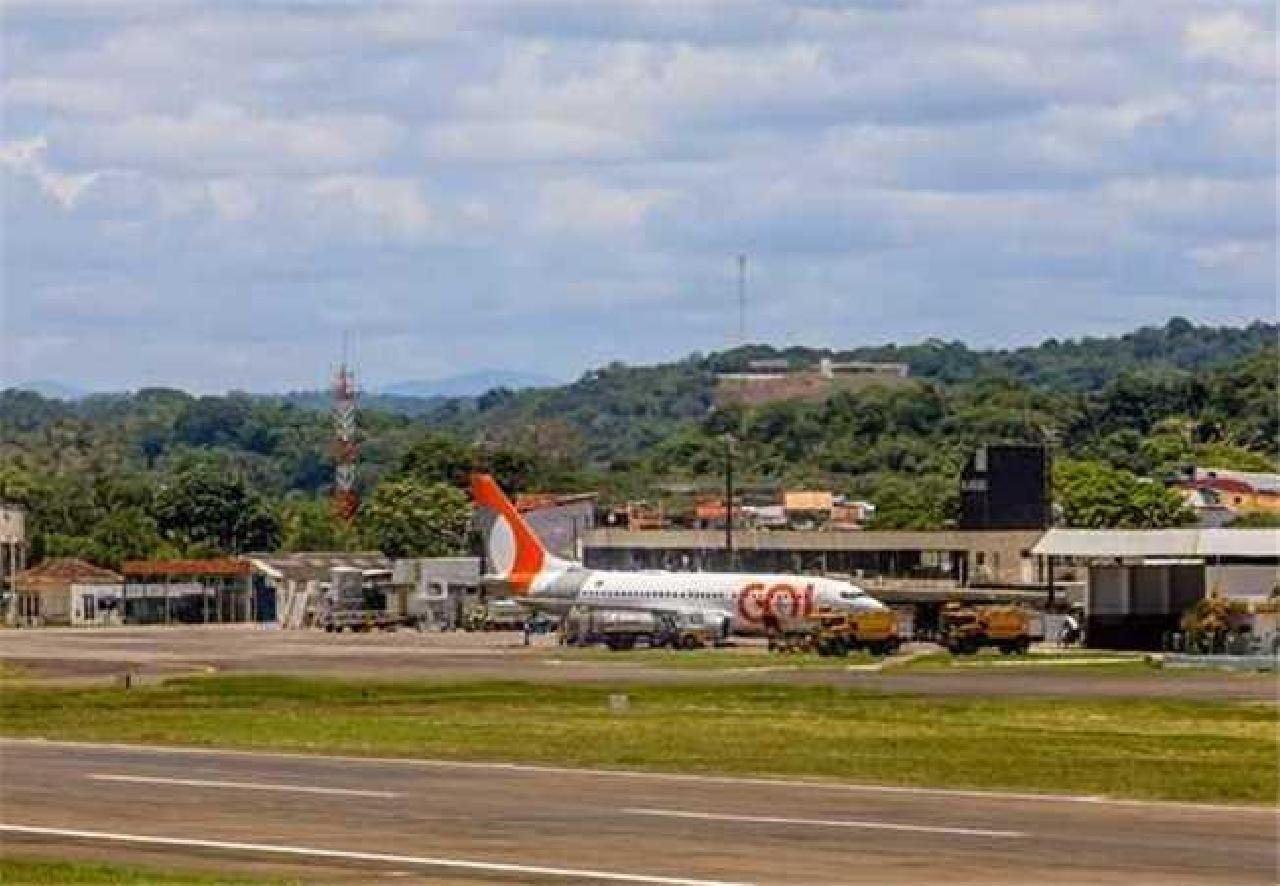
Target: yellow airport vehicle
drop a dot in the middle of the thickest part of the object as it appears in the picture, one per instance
(966, 629)
(839, 633)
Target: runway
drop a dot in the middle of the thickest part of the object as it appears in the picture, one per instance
(345, 819)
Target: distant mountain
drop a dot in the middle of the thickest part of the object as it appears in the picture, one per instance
(51, 390)
(469, 384)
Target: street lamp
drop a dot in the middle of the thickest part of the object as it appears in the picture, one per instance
(728, 500)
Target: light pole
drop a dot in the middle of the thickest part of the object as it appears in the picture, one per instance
(728, 501)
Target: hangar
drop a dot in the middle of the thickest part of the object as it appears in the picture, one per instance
(1141, 581)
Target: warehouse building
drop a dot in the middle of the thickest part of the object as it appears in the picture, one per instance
(214, 591)
(1141, 582)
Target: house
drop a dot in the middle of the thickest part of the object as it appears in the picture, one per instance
(1220, 495)
(67, 591)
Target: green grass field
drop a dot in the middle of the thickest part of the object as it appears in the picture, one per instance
(1206, 751)
(24, 871)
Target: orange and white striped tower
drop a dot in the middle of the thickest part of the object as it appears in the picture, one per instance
(345, 447)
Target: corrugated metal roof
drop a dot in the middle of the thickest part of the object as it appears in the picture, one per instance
(1206, 542)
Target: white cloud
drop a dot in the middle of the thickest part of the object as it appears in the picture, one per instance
(233, 200)
(395, 204)
(221, 138)
(526, 140)
(27, 157)
(1231, 39)
(930, 162)
(68, 95)
(581, 206)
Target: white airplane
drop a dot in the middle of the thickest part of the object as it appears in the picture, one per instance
(735, 602)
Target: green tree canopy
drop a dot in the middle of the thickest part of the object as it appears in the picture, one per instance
(309, 524)
(205, 507)
(406, 517)
(1095, 496)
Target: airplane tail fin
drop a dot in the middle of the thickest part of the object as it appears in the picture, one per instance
(513, 552)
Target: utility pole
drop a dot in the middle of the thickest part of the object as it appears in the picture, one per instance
(728, 501)
(742, 298)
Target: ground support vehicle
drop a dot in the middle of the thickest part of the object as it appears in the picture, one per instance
(839, 633)
(496, 615)
(966, 629)
(621, 629)
(358, 600)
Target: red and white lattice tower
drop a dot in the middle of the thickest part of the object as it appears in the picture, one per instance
(345, 448)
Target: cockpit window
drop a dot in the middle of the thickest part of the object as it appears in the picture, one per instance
(851, 595)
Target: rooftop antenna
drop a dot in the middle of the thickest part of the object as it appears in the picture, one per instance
(742, 298)
(345, 501)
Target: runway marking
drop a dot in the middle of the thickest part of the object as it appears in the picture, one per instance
(754, 781)
(346, 855)
(243, 785)
(828, 823)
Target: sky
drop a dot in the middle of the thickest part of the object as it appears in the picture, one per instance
(208, 195)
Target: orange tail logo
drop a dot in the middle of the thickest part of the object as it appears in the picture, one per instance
(513, 550)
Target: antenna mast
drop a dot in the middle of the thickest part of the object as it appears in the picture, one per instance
(345, 501)
(742, 298)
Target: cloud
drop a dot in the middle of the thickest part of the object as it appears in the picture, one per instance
(220, 138)
(587, 208)
(394, 204)
(27, 157)
(565, 183)
(1232, 40)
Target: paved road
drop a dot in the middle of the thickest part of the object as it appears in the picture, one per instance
(103, 654)
(353, 820)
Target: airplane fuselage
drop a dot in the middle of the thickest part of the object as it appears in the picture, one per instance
(748, 601)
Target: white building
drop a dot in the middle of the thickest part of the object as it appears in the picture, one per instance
(1141, 581)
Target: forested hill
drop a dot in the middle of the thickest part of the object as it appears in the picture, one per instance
(161, 471)
(624, 410)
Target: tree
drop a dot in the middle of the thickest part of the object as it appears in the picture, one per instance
(1095, 496)
(204, 506)
(309, 524)
(438, 458)
(408, 518)
(127, 534)
(925, 502)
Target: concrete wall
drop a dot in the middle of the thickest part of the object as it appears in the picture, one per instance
(1243, 582)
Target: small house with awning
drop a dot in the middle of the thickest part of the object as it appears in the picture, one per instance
(66, 591)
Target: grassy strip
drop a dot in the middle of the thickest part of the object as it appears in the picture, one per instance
(38, 871)
(1207, 751)
(1056, 662)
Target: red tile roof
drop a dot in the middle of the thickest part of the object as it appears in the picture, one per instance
(62, 572)
(153, 568)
